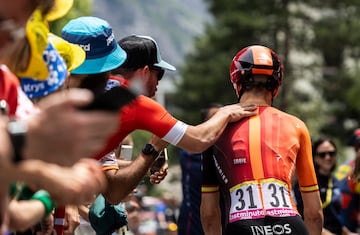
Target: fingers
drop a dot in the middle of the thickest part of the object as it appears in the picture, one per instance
(63, 131)
(77, 184)
(250, 107)
(69, 98)
(238, 111)
(158, 176)
(94, 180)
(72, 225)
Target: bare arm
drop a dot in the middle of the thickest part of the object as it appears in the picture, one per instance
(24, 214)
(72, 219)
(51, 136)
(84, 212)
(313, 215)
(210, 213)
(346, 231)
(5, 152)
(74, 185)
(121, 182)
(199, 138)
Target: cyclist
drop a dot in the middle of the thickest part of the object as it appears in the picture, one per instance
(255, 159)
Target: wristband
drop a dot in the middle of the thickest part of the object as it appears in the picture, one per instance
(149, 149)
(17, 130)
(44, 197)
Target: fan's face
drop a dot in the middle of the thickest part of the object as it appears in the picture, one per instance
(13, 17)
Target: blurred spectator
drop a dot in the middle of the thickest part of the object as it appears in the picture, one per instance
(350, 189)
(189, 215)
(166, 215)
(324, 156)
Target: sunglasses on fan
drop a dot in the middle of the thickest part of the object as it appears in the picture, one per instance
(324, 154)
(160, 71)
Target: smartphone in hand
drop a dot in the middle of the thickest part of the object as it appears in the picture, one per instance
(126, 152)
(111, 100)
(160, 161)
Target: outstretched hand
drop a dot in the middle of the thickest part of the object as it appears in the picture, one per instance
(62, 133)
(72, 185)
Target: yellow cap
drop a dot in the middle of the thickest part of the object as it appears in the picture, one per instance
(72, 54)
(60, 8)
(37, 35)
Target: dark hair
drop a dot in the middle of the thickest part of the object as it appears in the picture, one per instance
(95, 82)
(140, 51)
(354, 140)
(126, 73)
(316, 144)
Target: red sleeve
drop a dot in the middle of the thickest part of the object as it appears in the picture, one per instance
(8, 89)
(153, 117)
(142, 114)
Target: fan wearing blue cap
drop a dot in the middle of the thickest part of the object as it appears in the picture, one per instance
(103, 54)
(142, 63)
(95, 36)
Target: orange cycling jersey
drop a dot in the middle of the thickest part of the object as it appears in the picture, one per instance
(145, 114)
(255, 160)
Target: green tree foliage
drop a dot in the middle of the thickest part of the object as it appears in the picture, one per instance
(335, 28)
(237, 24)
(317, 41)
(80, 8)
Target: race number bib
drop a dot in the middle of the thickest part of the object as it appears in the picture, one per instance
(257, 199)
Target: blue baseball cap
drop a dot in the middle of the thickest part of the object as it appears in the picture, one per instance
(97, 39)
(57, 74)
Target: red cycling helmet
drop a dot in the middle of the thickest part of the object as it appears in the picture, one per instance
(256, 60)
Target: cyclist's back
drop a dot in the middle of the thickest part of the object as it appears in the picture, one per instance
(255, 158)
(259, 161)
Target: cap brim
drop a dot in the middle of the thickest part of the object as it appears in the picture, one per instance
(104, 64)
(73, 54)
(60, 8)
(79, 56)
(165, 65)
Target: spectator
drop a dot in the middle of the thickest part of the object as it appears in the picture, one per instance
(325, 156)
(350, 189)
(143, 113)
(190, 163)
(50, 126)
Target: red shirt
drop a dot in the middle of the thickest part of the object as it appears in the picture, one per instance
(9, 84)
(145, 114)
(18, 104)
